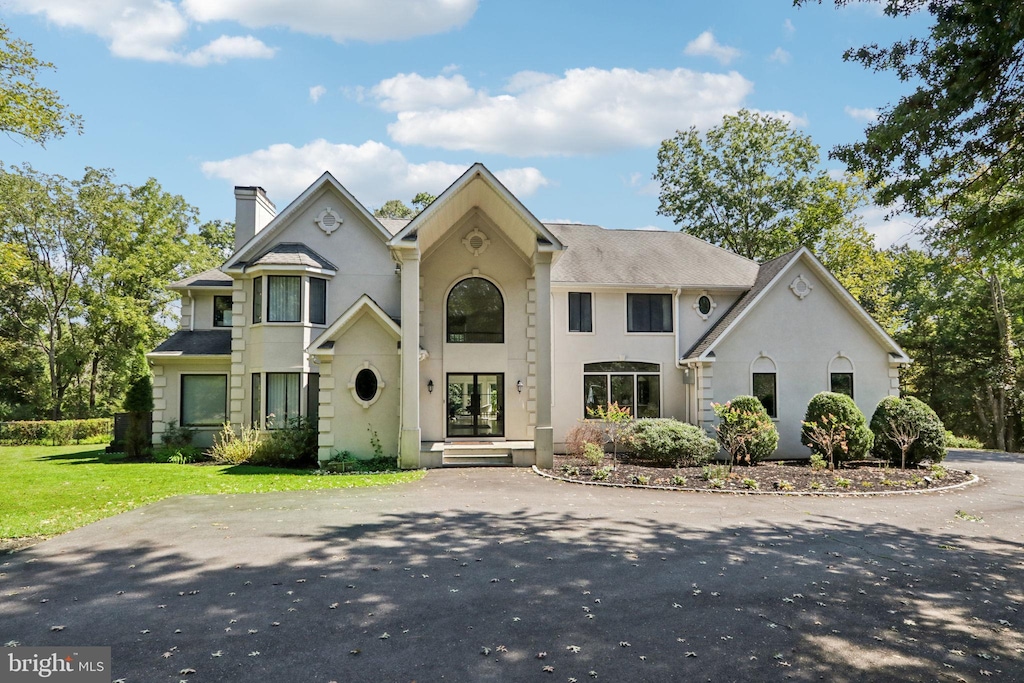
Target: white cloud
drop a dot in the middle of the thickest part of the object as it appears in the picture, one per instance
(412, 91)
(584, 111)
(650, 228)
(157, 30)
(867, 115)
(150, 30)
(316, 92)
(788, 28)
(342, 20)
(887, 233)
(229, 47)
(372, 171)
(705, 45)
(780, 56)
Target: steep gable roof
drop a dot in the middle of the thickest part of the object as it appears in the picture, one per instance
(325, 342)
(769, 274)
(464, 185)
(267, 234)
(595, 255)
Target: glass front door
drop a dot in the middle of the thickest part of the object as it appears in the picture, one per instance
(476, 405)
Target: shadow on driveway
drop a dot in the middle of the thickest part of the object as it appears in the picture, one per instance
(475, 596)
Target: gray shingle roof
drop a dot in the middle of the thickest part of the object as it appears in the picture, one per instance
(198, 343)
(765, 274)
(208, 278)
(595, 255)
(292, 254)
(394, 225)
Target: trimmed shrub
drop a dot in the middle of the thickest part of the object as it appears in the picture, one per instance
(745, 430)
(669, 443)
(138, 402)
(910, 420)
(580, 435)
(841, 413)
(56, 432)
(230, 448)
(593, 454)
(294, 445)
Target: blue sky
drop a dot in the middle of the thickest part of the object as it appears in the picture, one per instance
(565, 101)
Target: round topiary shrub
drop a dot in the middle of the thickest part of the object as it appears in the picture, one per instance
(839, 417)
(909, 423)
(669, 443)
(745, 430)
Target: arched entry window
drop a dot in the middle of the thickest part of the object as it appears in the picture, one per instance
(476, 313)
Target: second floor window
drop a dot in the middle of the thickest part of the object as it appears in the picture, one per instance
(648, 312)
(580, 312)
(222, 311)
(284, 298)
(476, 313)
(318, 301)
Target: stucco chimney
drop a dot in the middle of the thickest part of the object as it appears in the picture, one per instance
(252, 213)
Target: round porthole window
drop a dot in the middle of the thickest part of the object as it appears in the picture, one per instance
(704, 305)
(366, 385)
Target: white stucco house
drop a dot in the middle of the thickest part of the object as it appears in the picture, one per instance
(475, 333)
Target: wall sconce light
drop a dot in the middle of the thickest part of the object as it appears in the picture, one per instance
(519, 386)
(398, 269)
(430, 386)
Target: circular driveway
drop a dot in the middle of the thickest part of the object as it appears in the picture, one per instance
(498, 574)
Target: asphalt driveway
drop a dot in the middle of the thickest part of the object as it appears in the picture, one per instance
(500, 575)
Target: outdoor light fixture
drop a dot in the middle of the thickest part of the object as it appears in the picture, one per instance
(519, 386)
(398, 269)
(430, 386)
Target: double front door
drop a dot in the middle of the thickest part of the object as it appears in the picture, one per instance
(476, 405)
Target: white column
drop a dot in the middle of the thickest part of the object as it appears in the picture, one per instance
(543, 438)
(409, 446)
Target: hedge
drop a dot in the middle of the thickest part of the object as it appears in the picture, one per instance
(55, 433)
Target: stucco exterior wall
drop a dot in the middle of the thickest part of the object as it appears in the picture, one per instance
(445, 264)
(167, 394)
(344, 422)
(801, 337)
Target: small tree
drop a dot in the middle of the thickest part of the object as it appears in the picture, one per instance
(842, 413)
(745, 431)
(138, 403)
(614, 419)
(826, 437)
(908, 429)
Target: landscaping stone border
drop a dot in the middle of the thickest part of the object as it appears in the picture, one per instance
(752, 492)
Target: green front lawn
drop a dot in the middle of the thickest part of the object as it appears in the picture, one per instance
(47, 490)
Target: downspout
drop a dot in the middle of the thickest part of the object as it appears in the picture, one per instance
(675, 311)
(192, 311)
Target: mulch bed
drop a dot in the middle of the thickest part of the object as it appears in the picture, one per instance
(789, 477)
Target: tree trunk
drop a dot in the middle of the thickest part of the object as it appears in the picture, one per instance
(93, 378)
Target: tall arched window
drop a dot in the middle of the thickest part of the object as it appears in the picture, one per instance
(476, 313)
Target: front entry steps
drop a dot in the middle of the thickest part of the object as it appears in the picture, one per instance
(478, 454)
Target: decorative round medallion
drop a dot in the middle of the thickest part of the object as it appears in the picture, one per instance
(328, 221)
(476, 242)
(801, 287)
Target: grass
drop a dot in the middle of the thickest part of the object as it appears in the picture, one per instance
(48, 490)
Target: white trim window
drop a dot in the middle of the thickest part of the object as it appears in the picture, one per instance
(222, 310)
(282, 398)
(764, 385)
(581, 312)
(284, 298)
(649, 313)
(840, 376)
(632, 385)
(204, 400)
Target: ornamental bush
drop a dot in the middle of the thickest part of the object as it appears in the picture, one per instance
(911, 421)
(669, 443)
(745, 430)
(840, 412)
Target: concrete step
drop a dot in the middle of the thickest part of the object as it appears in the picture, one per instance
(483, 458)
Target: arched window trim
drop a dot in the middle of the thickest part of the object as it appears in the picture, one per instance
(852, 372)
(475, 274)
(762, 356)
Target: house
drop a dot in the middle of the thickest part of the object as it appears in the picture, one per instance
(477, 333)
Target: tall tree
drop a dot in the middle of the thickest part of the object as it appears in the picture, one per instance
(28, 109)
(89, 290)
(393, 208)
(959, 130)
